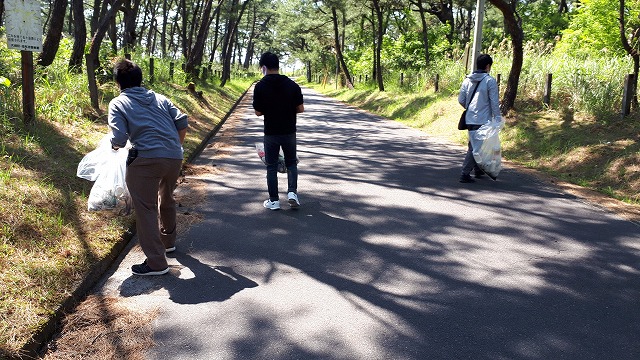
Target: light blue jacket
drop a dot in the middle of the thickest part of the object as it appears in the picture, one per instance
(484, 106)
(149, 120)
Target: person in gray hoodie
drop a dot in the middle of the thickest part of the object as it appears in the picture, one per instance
(156, 130)
(479, 95)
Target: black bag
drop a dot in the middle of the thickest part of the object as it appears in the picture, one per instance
(462, 123)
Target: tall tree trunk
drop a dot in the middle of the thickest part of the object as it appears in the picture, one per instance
(148, 15)
(183, 28)
(513, 24)
(1, 11)
(425, 28)
(131, 9)
(197, 52)
(374, 63)
(340, 58)
(54, 33)
(250, 46)
(166, 5)
(215, 38)
(378, 43)
(79, 36)
(228, 46)
(94, 51)
(113, 35)
(195, 21)
(99, 8)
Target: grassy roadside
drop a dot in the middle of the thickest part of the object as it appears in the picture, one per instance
(597, 153)
(49, 242)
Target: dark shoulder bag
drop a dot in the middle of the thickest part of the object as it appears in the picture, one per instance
(462, 123)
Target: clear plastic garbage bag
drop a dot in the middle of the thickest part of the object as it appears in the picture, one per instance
(108, 168)
(487, 151)
(281, 166)
(91, 164)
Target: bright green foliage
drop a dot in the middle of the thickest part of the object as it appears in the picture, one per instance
(593, 30)
(407, 52)
(542, 21)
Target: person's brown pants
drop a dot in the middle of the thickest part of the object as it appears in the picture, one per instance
(151, 183)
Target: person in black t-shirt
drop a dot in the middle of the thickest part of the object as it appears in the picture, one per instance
(279, 99)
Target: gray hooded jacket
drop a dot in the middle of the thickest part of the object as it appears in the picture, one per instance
(149, 120)
(484, 106)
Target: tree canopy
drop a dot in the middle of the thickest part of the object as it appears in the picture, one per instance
(343, 38)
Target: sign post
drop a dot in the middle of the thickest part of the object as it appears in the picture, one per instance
(24, 33)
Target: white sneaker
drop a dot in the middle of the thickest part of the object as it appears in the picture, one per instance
(272, 205)
(293, 200)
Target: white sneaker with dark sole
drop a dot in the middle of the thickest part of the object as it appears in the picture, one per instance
(271, 205)
(293, 200)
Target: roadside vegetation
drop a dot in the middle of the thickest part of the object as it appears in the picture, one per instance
(580, 137)
(49, 242)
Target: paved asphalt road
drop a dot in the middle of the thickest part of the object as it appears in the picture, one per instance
(388, 258)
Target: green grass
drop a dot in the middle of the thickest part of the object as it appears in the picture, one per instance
(49, 242)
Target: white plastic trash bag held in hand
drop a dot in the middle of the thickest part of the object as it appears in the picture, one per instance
(281, 166)
(486, 148)
(109, 192)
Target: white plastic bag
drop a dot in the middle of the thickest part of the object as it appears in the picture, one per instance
(486, 148)
(281, 166)
(108, 168)
(91, 164)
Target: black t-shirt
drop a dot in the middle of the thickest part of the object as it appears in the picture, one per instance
(277, 97)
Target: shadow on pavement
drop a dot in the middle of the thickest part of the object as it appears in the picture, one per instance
(192, 282)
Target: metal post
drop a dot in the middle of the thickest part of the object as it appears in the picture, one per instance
(477, 36)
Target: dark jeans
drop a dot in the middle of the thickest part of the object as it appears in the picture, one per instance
(272, 145)
(469, 162)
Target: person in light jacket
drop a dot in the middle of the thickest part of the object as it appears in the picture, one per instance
(482, 106)
(156, 129)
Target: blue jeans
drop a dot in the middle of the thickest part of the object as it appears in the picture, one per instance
(272, 145)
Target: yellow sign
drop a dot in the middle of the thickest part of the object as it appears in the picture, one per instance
(23, 24)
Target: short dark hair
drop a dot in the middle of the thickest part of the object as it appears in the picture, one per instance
(270, 60)
(127, 74)
(482, 61)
